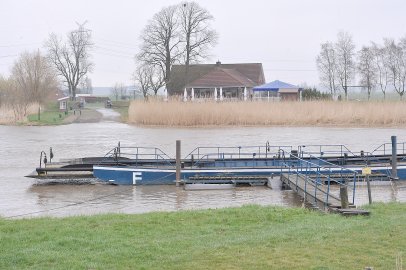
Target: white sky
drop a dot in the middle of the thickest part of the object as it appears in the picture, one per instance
(284, 35)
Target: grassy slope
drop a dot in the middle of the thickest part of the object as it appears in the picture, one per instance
(122, 108)
(251, 237)
(50, 116)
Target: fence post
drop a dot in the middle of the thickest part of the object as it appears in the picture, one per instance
(394, 174)
(344, 197)
(178, 163)
(369, 189)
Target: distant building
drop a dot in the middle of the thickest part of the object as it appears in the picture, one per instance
(215, 81)
(80, 101)
(63, 103)
(277, 90)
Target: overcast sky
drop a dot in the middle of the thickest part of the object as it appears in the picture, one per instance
(284, 35)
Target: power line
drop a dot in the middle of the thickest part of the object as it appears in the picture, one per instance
(114, 51)
(301, 70)
(11, 55)
(116, 43)
(266, 60)
(114, 55)
(19, 45)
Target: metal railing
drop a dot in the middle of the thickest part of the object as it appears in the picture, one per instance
(317, 175)
(200, 154)
(135, 155)
(386, 149)
(325, 150)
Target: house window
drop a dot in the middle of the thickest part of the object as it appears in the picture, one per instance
(62, 105)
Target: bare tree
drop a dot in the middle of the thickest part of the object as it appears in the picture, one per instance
(34, 78)
(3, 89)
(15, 97)
(156, 80)
(396, 66)
(160, 40)
(86, 86)
(71, 59)
(119, 90)
(123, 91)
(326, 64)
(115, 90)
(381, 64)
(367, 69)
(196, 33)
(142, 77)
(402, 64)
(345, 50)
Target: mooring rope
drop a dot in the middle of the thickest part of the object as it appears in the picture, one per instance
(76, 203)
(65, 206)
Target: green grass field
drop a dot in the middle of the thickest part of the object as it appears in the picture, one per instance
(250, 237)
(48, 118)
(122, 108)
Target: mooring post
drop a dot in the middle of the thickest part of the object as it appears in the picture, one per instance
(344, 197)
(369, 189)
(394, 175)
(178, 164)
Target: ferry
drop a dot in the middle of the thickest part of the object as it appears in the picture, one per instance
(237, 164)
(253, 165)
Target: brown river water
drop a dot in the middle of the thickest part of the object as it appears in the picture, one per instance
(20, 147)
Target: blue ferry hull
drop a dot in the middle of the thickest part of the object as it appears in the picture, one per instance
(156, 176)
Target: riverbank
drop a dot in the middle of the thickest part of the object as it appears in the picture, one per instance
(250, 237)
(10, 116)
(122, 108)
(309, 113)
(52, 117)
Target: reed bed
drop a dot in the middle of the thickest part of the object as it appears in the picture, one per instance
(310, 113)
(8, 117)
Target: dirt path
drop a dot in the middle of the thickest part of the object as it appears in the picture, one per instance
(84, 116)
(88, 116)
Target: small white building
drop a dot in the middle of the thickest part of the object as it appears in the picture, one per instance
(63, 103)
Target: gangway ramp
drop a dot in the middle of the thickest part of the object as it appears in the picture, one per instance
(313, 192)
(314, 182)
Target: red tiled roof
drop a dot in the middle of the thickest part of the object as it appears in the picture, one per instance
(214, 75)
(221, 77)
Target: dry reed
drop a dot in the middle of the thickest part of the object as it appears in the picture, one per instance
(322, 113)
(9, 117)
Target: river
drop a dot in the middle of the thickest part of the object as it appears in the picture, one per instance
(20, 147)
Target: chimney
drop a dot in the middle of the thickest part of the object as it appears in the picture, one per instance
(218, 63)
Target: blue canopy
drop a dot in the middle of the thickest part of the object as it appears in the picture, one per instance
(275, 86)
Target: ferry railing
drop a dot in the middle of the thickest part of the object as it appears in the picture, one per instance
(325, 150)
(386, 149)
(223, 152)
(137, 154)
(314, 174)
(343, 154)
(202, 154)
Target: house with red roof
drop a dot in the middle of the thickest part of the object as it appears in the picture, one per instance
(215, 81)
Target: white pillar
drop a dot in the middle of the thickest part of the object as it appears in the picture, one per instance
(185, 95)
(165, 95)
(221, 93)
(245, 93)
(268, 95)
(193, 94)
(215, 94)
